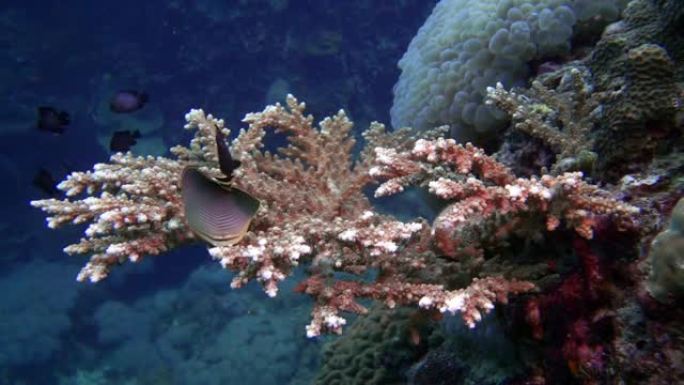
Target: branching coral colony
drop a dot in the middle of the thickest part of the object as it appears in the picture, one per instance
(313, 210)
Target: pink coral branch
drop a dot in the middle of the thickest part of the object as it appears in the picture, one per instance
(314, 210)
(481, 188)
(138, 211)
(471, 302)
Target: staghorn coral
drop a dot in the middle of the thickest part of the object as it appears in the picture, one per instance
(133, 209)
(328, 220)
(560, 118)
(609, 113)
(483, 189)
(314, 208)
(314, 211)
(133, 203)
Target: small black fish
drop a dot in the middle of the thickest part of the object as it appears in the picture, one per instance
(52, 120)
(122, 141)
(45, 182)
(127, 101)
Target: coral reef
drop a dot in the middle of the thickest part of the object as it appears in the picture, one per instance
(615, 115)
(468, 45)
(314, 210)
(570, 216)
(484, 190)
(138, 211)
(569, 120)
(559, 119)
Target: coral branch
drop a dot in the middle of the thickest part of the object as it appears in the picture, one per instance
(133, 210)
(313, 210)
(133, 203)
(472, 302)
(483, 189)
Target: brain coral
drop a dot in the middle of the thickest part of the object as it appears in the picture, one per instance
(466, 45)
(377, 349)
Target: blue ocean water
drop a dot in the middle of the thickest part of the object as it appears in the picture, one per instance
(171, 319)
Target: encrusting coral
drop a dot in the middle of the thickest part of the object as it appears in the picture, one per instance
(313, 210)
